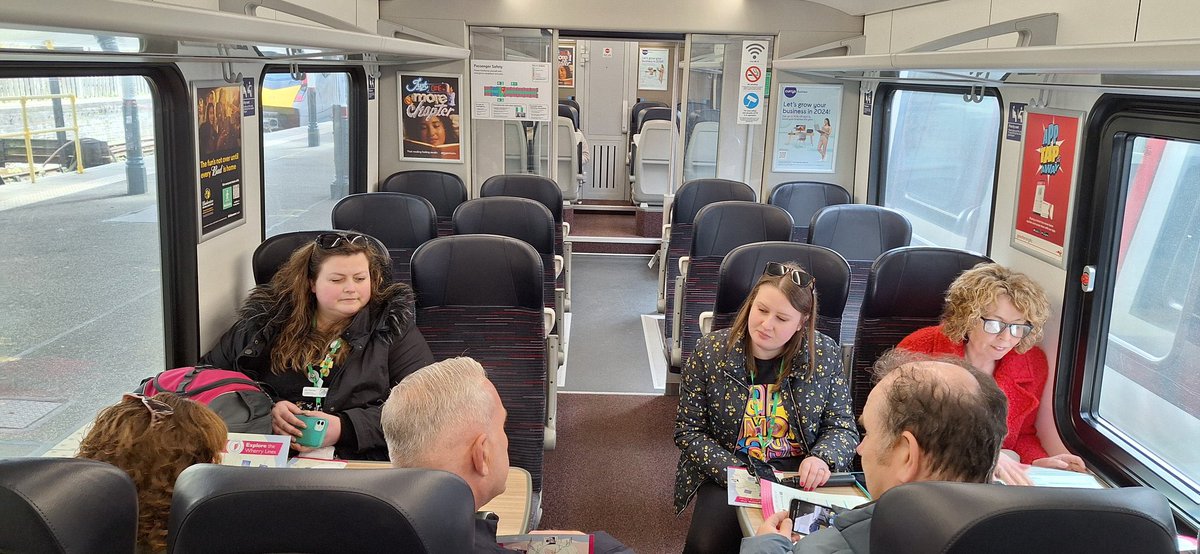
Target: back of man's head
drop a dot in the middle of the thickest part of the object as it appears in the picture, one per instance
(956, 413)
(434, 412)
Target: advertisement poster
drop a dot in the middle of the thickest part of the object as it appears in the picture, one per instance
(1048, 164)
(652, 68)
(219, 150)
(519, 91)
(566, 66)
(429, 117)
(807, 128)
(752, 84)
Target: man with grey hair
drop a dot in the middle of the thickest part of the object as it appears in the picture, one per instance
(448, 416)
(927, 419)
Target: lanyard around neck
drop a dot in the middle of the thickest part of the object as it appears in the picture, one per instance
(317, 375)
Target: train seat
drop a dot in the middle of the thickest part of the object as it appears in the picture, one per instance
(402, 222)
(719, 228)
(744, 265)
(444, 190)
(481, 296)
(635, 114)
(906, 289)
(960, 518)
(688, 201)
(569, 151)
(700, 156)
(659, 113)
(860, 233)
(802, 199)
(521, 219)
(541, 189)
(66, 505)
(271, 254)
(516, 148)
(652, 162)
(219, 508)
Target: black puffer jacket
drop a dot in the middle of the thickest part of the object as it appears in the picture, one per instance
(385, 346)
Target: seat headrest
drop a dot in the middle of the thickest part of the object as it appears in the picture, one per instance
(397, 219)
(570, 112)
(858, 231)
(533, 187)
(912, 281)
(271, 254)
(66, 505)
(723, 226)
(744, 265)
(698, 193)
(948, 517)
(802, 199)
(444, 190)
(477, 270)
(305, 510)
(508, 216)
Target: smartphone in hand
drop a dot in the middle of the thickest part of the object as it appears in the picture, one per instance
(809, 518)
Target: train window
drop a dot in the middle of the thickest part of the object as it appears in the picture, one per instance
(938, 163)
(307, 138)
(83, 281)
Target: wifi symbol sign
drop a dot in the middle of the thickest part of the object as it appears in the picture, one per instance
(754, 49)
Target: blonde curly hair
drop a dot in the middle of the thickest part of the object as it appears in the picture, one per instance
(978, 288)
(154, 453)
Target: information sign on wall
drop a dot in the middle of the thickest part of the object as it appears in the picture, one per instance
(511, 90)
(809, 118)
(752, 87)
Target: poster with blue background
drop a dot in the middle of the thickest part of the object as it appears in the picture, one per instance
(807, 128)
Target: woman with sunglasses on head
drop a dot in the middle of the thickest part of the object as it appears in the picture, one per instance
(329, 336)
(993, 318)
(768, 392)
(154, 440)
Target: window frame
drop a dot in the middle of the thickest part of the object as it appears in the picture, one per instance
(356, 96)
(1114, 124)
(174, 163)
(880, 128)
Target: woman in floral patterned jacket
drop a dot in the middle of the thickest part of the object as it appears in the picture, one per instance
(759, 394)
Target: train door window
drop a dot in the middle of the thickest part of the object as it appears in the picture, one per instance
(82, 285)
(1135, 399)
(309, 125)
(937, 163)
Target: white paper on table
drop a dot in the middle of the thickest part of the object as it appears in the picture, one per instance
(743, 488)
(776, 497)
(1048, 477)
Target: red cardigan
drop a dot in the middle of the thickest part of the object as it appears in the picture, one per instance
(1021, 376)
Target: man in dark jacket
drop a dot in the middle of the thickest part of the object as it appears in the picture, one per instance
(448, 416)
(928, 419)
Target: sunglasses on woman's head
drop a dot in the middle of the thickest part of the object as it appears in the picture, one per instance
(158, 408)
(799, 277)
(334, 240)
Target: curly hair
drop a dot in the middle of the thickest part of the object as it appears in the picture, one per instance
(289, 300)
(154, 453)
(973, 292)
(803, 299)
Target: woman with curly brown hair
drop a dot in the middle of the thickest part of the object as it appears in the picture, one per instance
(154, 440)
(328, 336)
(994, 318)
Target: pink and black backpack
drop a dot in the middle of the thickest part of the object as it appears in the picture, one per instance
(240, 401)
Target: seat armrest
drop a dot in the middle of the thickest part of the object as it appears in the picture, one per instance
(706, 319)
(566, 229)
(548, 321)
(684, 262)
(558, 265)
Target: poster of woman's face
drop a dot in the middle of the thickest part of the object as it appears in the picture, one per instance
(429, 117)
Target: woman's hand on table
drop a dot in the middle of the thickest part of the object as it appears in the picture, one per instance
(813, 473)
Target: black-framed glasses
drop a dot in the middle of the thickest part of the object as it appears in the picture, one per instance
(799, 276)
(158, 408)
(995, 327)
(334, 240)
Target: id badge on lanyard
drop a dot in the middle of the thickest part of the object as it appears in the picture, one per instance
(318, 391)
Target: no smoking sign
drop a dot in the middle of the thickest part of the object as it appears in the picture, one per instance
(753, 73)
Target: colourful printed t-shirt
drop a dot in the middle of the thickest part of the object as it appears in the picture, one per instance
(765, 433)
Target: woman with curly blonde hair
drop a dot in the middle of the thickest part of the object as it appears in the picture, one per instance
(994, 318)
(154, 440)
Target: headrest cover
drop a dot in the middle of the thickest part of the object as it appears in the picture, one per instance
(723, 226)
(444, 190)
(698, 193)
(533, 187)
(508, 216)
(744, 265)
(477, 270)
(973, 518)
(912, 281)
(397, 219)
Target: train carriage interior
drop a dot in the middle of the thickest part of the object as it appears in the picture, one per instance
(641, 164)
